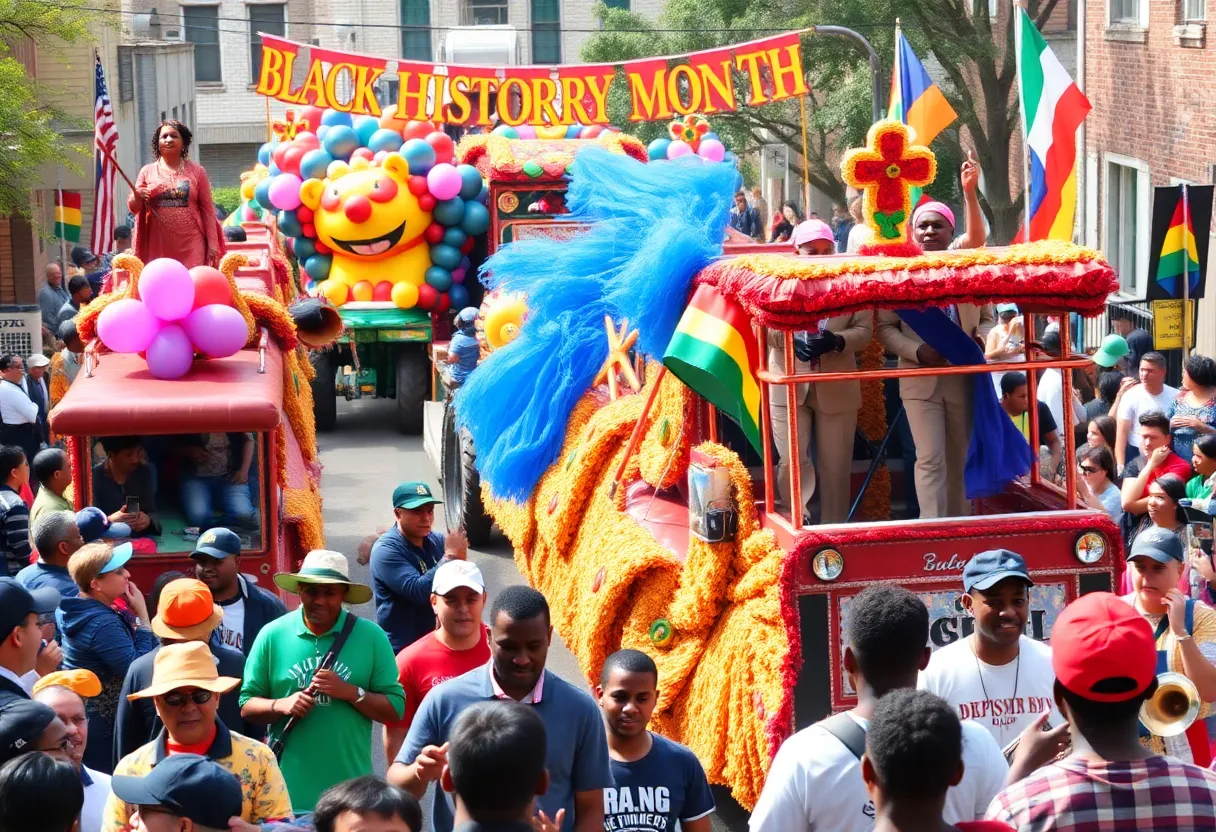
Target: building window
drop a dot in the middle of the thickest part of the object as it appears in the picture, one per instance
(201, 26)
(484, 13)
(546, 32)
(126, 74)
(1127, 219)
(623, 5)
(1194, 11)
(1125, 11)
(416, 43)
(263, 17)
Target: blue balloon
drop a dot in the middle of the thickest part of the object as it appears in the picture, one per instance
(476, 219)
(484, 196)
(454, 237)
(657, 149)
(264, 153)
(321, 131)
(711, 135)
(333, 118)
(289, 224)
(419, 155)
(303, 248)
(573, 130)
(465, 262)
(317, 266)
(449, 212)
(365, 128)
(274, 170)
(314, 163)
(445, 257)
(341, 141)
(471, 184)
(384, 139)
(261, 193)
(506, 130)
(439, 278)
(459, 296)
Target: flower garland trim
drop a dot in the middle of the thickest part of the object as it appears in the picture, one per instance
(500, 159)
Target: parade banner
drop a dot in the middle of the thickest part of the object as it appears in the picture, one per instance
(712, 81)
(1178, 245)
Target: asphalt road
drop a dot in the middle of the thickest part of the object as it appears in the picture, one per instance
(363, 460)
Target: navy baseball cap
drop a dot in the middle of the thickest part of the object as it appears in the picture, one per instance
(218, 543)
(987, 569)
(93, 523)
(16, 602)
(188, 785)
(22, 721)
(1162, 545)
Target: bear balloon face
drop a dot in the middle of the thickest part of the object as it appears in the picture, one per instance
(368, 214)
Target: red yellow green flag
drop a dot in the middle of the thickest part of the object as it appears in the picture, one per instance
(67, 215)
(714, 351)
(1179, 254)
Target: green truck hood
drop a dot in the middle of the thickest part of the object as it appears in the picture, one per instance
(385, 318)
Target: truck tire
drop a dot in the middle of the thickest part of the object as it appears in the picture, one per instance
(462, 506)
(325, 388)
(413, 388)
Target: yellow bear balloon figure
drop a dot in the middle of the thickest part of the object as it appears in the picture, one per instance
(374, 228)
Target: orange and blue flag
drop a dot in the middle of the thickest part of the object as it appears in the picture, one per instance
(915, 100)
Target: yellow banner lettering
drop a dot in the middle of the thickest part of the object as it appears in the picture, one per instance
(599, 92)
(649, 104)
(270, 80)
(411, 99)
(791, 71)
(752, 63)
(692, 85)
(717, 81)
(523, 93)
(483, 90)
(460, 107)
(313, 91)
(543, 93)
(364, 100)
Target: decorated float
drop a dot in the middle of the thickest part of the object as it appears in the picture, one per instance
(172, 354)
(634, 512)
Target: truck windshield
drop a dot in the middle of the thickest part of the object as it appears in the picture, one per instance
(168, 489)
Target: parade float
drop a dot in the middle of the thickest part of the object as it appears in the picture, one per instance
(633, 512)
(172, 353)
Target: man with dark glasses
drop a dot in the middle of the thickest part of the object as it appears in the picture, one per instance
(186, 690)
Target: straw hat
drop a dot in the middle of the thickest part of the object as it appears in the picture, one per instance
(186, 611)
(322, 566)
(188, 665)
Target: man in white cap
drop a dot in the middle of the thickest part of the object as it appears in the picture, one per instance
(320, 702)
(458, 645)
(38, 391)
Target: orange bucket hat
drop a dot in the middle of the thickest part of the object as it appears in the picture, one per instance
(186, 612)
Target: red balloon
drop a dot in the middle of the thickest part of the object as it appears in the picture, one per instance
(443, 146)
(428, 298)
(418, 130)
(308, 141)
(382, 291)
(445, 303)
(276, 155)
(426, 202)
(417, 185)
(591, 132)
(210, 286)
(434, 233)
(291, 159)
(467, 245)
(310, 231)
(304, 214)
(380, 156)
(322, 248)
(312, 116)
(363, 153)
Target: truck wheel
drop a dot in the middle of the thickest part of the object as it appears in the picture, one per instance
(462, 506)
(324, 388)
(413, 388)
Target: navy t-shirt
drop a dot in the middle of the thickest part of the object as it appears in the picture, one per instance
(401, 585)
(651, 794)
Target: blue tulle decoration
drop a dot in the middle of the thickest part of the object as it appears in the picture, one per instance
(652, 228)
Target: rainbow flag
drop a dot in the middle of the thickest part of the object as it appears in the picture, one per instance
(915, 100)
(1179, 253)
(67, 215)
(1052, 109)
(714, 351)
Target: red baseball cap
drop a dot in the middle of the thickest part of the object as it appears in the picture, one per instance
(1102, 649)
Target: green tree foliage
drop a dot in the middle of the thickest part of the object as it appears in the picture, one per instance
(975, 53)
(31, 123)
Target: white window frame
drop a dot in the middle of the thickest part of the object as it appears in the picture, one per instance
(1141, 20)
(219, 40)
(1194, 11)
(253, 79)
(1144, 213)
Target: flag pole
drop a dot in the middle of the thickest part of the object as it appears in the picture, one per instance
(806, 162)
(1020, 10)
(63, 243)
(1186, 276)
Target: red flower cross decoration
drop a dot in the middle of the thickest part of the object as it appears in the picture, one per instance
(885, 171)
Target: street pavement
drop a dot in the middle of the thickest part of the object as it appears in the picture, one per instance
(363, 460)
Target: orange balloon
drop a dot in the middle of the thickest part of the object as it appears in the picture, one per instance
(210, 286)
(389, 120)
(405, 295)
(362, 290)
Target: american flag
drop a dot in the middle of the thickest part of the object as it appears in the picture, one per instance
(105, 135)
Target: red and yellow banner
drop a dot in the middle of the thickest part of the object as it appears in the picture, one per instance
(712, 81)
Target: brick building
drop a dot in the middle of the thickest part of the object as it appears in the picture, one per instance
(1149, 70)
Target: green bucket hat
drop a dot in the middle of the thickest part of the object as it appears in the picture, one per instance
(1113, 348)
(321, 566)
(413, 495)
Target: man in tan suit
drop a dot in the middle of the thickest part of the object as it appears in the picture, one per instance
(829, 409)
(938, 410)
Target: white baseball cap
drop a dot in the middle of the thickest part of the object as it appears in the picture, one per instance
(456, 573)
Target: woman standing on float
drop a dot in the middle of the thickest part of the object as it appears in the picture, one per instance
(175, 216)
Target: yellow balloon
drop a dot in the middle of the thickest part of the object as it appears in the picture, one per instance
(261, 170)
(405, 295)
(247, 189)
(360, 163)
(337, 291)
(550, 131)
(503, 319)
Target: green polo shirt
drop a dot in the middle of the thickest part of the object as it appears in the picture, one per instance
(334, 742)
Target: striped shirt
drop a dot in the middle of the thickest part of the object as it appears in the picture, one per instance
(14, 531)
(1079, 795)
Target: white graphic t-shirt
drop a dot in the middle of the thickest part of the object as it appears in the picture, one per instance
(232, 628)
(815, 784)
(986, 693)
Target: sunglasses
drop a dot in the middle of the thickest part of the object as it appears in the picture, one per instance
(175, 699)
(1087, 469)
(46, 620)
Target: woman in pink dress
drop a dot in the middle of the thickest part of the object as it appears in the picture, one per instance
(175, 216)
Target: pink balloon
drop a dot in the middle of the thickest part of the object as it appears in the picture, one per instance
(675, 150)
(216, 330)
(127, 325)
(285, 191)
(444, 181)
(712, 150)
(525, 131)
(165, 286)
(170, 354)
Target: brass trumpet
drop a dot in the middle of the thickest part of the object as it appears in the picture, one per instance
(1173, 708)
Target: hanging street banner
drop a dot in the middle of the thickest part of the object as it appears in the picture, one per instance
(713, 81)
(1178, 247)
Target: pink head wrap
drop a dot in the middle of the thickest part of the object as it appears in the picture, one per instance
(810, 230)
(936, 208)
